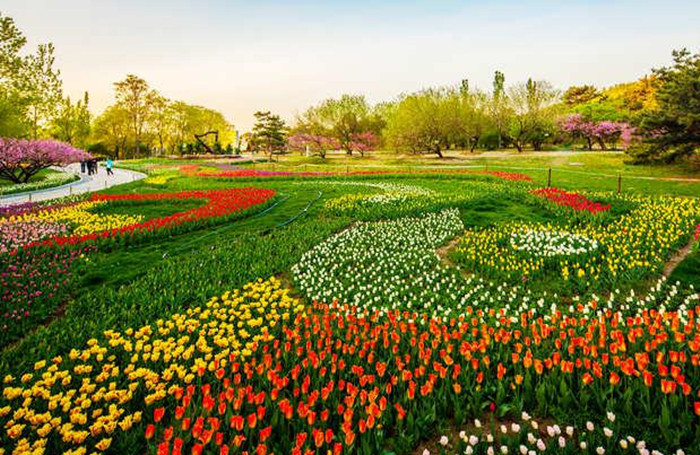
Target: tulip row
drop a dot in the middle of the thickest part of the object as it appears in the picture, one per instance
(576, 201)
(389, 263)
(81, 218)
(194, 170)
(220, 205)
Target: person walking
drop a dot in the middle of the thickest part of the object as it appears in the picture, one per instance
(109, 166)
(83, 166)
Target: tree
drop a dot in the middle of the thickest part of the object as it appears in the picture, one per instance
(474, 115)
(111, 129)
(30, 86)
(533, 116)
(72, 122)
(427, 121)
(21, 159)
(672, 131)
(499, 106)
(161, 121)
(314, 143)
(136, 98)
(581, 94)
(41, 87)
(603, 132)
(364, 142)
(343, 118)
(269, 133)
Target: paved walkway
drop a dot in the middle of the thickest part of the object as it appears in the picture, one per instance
(86, 184)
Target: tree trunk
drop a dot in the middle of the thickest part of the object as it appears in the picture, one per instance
(590, 144)
(438, 152)
(475, 141)
(602, 144)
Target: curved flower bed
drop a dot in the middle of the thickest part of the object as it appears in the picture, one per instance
(220, 205)
(630, 249)
(576, 201)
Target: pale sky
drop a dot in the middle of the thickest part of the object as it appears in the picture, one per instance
(243, 56)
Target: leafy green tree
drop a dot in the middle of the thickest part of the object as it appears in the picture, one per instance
(30, 86)
(41, 88)
(672, 131)
(474, 115)
(533, 115)
(344, 118)
(111, 130)
(580, 94)
(427, 121)
(135, 97)
(500, 112)
(72, 122)
(269, 133)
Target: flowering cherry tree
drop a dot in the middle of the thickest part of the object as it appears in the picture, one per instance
(603, 132)
(20, 159)
(316, 143)
(364, 142)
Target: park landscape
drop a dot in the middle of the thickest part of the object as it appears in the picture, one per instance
(454, 271)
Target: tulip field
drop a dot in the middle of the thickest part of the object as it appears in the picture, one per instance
(241, 311)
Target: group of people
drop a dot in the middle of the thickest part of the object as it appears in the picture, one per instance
(90, 166)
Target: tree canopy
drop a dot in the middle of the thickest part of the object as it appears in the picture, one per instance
(671, 131)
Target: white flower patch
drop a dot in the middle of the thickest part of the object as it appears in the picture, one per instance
(551, 243)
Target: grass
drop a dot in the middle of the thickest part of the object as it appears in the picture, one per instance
(688, 271)
(38, 177)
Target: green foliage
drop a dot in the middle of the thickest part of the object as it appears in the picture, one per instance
(672, 131)
(269, 133)
(30, 86)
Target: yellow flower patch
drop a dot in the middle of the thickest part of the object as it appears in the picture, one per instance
(83, 399)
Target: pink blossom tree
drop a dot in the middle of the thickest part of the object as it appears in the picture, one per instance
(603, 132)
(318, 144)
(20, 159)
(364, 142)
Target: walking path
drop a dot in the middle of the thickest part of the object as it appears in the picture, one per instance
(86, 184)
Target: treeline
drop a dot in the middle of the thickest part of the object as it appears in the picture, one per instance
(140, 122)
(655, 118)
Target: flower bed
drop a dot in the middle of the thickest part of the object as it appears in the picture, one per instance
(254, 371)
(576, 201)
(342, 381)
(33, 284)
(220, 205)
(629, 250)
(87, 397)
(192, 170)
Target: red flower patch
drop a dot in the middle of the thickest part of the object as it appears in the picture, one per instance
(576, 201)
(219, 203)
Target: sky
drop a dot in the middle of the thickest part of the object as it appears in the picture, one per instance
(242, 56)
